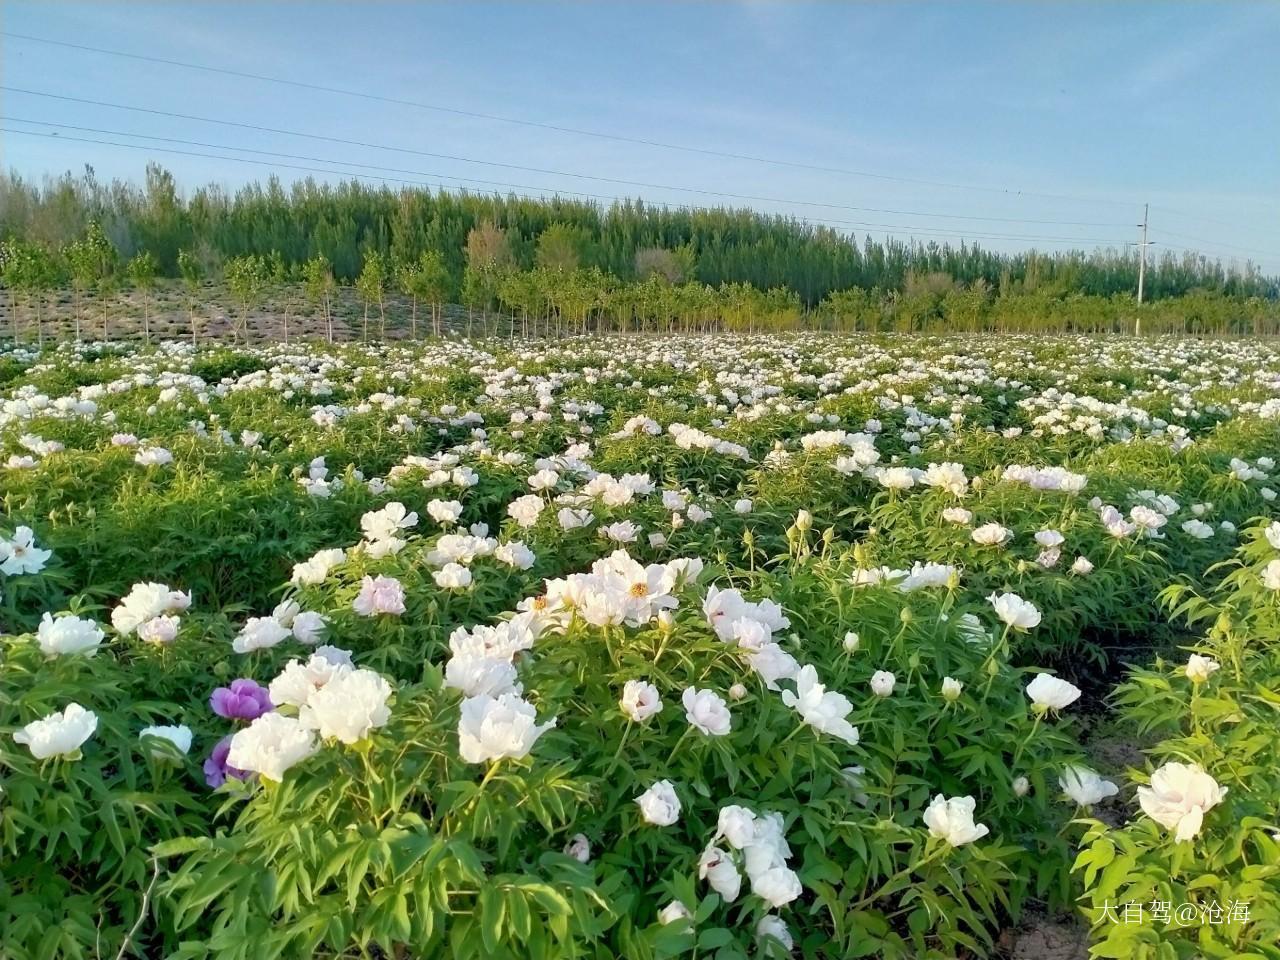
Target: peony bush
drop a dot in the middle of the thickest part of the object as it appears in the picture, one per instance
(773, 646)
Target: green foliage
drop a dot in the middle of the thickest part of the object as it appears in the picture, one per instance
(1229, 873)
(395, 846)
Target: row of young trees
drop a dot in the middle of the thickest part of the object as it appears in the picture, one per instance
(346, 222)
(561, 297)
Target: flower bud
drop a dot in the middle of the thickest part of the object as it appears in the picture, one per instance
(851, 641)
(882, 683)
(804, 521)
(1021, 786)
(951, 688)
(737, 692)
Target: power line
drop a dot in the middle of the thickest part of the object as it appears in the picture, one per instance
(1193, 216)
(528, 169)
(576, 131)
(555, 191)
(1219, 243)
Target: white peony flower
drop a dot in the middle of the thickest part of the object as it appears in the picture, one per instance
(308, 627)
(349, 707)
(270, 745)
(379, 595)
(60, 734)
(298, 681)
(1271, 575)
(949, 477)
(314, 571)
(543, 480)
(1016, 612)
(1199, 669)
(146, 601)
(640, 700)
(445, 512)
(737, 825)
(951, 688)
(823, 710)
(1082, 567)
(1051, 693)
(162, 630)
(882, 683)
(991, 535)
(772, 664)
(515, 554)
(1272, 534)
(1049, 538)
(384, 524)
(707, 711)
(453, 576)
(659, 805)
(1179, 796)
(777, 885)
(476, 676)
(68, 635)
(285, 611)
(20, 555)
(674, 912)
(491, 728)
(718, 869)
(952, 820)
(1085, 787)
(1198, 529)
(525, 510)
(179, 737)
(771, 927)
(260, 633)
(579, 847)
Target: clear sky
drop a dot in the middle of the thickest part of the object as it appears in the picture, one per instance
(995, 105)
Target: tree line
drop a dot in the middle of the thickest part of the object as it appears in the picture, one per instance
(562, 266)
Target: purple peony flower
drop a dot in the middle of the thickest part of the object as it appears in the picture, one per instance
(216, 769)
(243, 700)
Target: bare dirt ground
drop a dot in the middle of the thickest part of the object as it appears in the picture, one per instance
(1042, 938)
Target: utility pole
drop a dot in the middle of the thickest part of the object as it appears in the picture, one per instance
(1142, 257)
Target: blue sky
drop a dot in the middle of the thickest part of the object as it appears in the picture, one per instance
(1101, 106)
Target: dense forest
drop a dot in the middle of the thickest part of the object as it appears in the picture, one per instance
(624, 266)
